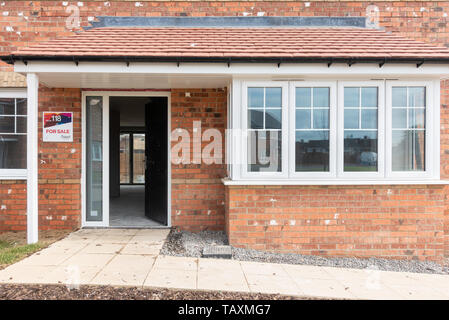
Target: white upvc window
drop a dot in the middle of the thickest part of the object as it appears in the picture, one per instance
(412, 127)
(312, 113)
(361, 129)
(374, 130)
(265, 130)
(13, 129)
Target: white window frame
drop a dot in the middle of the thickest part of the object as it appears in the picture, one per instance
(336, 175)
(13, 174)
(358, 175)
(432, 148)
(284, 130)
(332, 85)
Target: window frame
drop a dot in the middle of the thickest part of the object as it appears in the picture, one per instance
(284, 130)
(14, 174)
(359, 175)
(336, 175)
(332, 85)
(432, 150)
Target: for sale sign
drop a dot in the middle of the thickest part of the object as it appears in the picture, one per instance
(58, 126)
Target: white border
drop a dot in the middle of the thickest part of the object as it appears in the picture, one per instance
(284, 130)
(432, 156)
(357, 175)
(382, 176)
(332, 85)
(106, 95)
(13, 174)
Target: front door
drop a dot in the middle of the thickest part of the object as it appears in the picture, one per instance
(156, 164)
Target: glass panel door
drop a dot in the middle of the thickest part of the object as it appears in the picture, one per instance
(94, 159)
(125, 172)
(139, 158)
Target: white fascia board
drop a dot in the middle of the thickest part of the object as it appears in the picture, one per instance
(236, 69)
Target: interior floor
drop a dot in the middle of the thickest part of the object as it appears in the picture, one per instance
(128, 210)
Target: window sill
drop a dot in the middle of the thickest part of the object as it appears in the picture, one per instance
(229, 182)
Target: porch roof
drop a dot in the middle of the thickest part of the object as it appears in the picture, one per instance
(226, 44)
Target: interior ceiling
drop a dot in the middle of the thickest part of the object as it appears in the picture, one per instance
(132, 110)
(131, 81)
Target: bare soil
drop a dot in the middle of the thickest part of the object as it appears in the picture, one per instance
(60, 292)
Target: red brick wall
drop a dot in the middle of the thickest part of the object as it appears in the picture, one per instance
(400, 222)
(197, 191)
(13, 199)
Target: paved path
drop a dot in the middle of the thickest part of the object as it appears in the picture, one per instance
(130, 257)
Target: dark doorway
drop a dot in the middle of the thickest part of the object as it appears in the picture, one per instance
(138, 161)
(156, 152)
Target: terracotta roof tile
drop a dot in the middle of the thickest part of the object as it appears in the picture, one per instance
(236, 42)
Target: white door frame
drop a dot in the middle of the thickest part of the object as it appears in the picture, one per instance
(106, 95)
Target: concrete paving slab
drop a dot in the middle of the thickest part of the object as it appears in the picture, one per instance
(219, 274)
(178, 263)
(25, 274)
(266, 283)
(142, 248)
(102, 248)
(306, 272)
(125, 270)
(324, 288)
(257, 268)
(88, 260)
(43, 259)
(72, 275)
(171, 278)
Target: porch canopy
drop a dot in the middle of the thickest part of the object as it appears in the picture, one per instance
(162, 57)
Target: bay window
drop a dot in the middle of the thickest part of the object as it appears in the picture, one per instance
(13, 129)
(339, 130)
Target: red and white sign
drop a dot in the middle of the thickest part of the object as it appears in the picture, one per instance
(58, 126)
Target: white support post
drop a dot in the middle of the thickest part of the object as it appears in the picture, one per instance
(32, 157)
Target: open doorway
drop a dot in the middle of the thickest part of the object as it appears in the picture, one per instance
(138, 148)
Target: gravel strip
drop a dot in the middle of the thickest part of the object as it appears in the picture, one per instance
(188, 244)
(60, 292)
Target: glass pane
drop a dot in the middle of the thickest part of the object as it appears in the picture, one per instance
(7, 106)
(124, 158)
(369, 97)
(321, 119)
(21, 106)
(416, 118)
(408, 149)
(416, 97)
(21, 124)
(399, 118)
(264, 151)
(303, 98)
(369, 118)
(255, 119)
(139, 158)
(7, 124)
(352, 97)
(321, 97)
(273, 97)
(94, 148)
(13, 150)
(273, 119)
(303, 119)
(255, 97)
(360, 151)
(312, 151)
(351, 119)
(399, 97)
